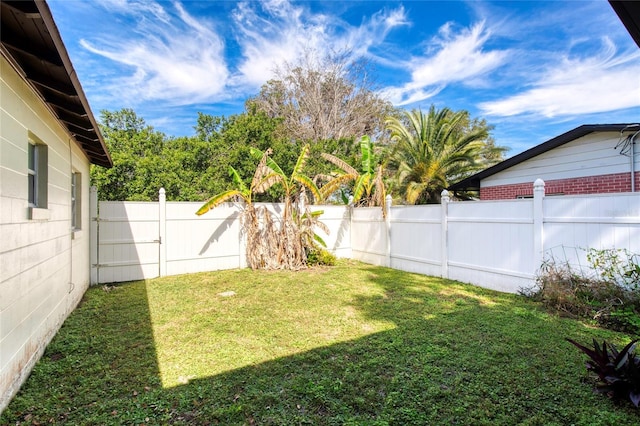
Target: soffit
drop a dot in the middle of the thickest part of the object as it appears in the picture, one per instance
(30, 39)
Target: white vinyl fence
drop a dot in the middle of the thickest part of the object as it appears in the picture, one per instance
(496, 244)
(138, 240)
(493, 244)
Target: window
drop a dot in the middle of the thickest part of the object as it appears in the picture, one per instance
(76, 206)
(37, 178)
(33, 176)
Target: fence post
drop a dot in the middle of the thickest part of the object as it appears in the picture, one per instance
(538, 223)
(162, 231)
(93, 234)
(444, 240)
(387, 213)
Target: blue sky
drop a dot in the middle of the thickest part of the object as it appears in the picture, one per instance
(532, 69)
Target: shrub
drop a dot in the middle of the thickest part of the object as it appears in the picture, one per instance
(609, 293)
(618, 372)
(317, 256)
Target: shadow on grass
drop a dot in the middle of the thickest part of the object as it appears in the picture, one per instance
(458, 355)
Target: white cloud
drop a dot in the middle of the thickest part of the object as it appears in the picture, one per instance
(174, 58)
(570, 87)
(282, 32)
(374, 31)
(458, 57)
(140, 8)
(170, 55)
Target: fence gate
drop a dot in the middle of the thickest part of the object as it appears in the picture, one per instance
(128, 241)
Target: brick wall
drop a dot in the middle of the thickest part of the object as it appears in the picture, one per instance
(602, 184)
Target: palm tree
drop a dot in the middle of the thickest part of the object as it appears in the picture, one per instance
(432, 150)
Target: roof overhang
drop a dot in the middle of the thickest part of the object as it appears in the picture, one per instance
(472, 183)
(31, 42)
(629, 14)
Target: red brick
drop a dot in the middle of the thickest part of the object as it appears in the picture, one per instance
(602, 184)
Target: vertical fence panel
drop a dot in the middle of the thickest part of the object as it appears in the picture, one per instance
(491, 243)
(162, 231)
(444, 233)
(369, 235)
(538, 221)
(416, 239)
(202, 243)
(338, 221)
(574, 224)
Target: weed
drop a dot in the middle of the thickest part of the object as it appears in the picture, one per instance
(607, 295)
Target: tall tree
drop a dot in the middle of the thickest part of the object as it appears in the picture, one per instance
(189, 168)
(135, 149)
(320, 98)
(433, 150)
(231, 140)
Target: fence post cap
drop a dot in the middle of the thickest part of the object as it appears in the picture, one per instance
(539, 183)
(444, 195)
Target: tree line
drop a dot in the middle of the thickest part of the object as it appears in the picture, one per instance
(325, 106)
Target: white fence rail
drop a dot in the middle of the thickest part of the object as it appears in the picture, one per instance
(494, 244)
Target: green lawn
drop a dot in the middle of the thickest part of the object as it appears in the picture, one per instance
(352, 344)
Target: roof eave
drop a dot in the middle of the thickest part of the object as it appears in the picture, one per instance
(629, 14)
(45, 12)
(84, 130)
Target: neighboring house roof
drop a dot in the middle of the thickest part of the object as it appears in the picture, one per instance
(473, 182)
(32, 44)
(629, 14)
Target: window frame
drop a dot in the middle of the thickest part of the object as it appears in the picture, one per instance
(32, 171)
(76, 201)
(37, 178)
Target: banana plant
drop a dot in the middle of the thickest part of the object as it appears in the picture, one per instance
(259, 249)
(270, 246)
(292, 241)
(241, 192)
(270, 174)
(368, 186)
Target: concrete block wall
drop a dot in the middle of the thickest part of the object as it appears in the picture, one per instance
(44, 264)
